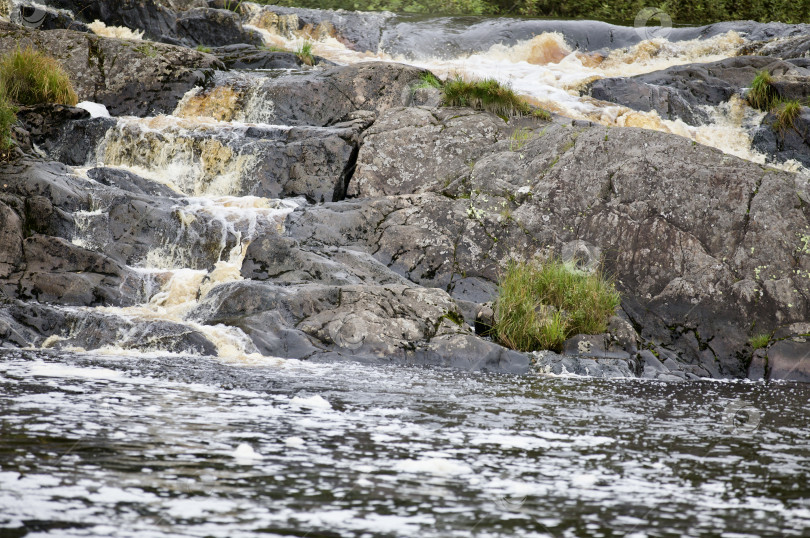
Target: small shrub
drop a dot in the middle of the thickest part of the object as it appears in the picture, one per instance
(540, 305)
(760, 341)
(31, 77)
(7, 118)
(762, 94)
(203, 48)
(489, 95)
(786, 114)
(304, 53)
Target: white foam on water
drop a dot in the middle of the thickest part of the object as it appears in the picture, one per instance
(435, 466)
(313, 402)
(96, 110)
(119, 32)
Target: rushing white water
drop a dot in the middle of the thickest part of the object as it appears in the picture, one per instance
(550, 73)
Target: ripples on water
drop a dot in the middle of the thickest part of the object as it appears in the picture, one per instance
(179, 446)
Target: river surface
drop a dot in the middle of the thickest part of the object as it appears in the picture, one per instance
(178, 446)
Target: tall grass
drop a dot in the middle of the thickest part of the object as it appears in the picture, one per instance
(786, 113)
(540, 305)
(31, 77)
(7, 118)
(304, 53)
(489, 95)
(761, 93)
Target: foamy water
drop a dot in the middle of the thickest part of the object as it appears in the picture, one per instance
(185, 446)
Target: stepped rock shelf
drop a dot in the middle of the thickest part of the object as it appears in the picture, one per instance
(242, 202)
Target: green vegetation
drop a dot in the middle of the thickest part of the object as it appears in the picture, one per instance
(233, 5)
(540, 305)
(30, 77)
(203, 48)
(304, 53)
(489, 95)
(786, 113)
(147, 50)
(518, 139)
(7, 118)
(760, 341)
(681, 11)
(762, 94)
(272, 48)
(428, 80)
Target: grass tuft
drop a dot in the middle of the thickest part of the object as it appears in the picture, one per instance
(760, 341)
(786, 113)
(304, 53)
(540, 305)
(762, 94)
(428, 80)
(8, 115)
(489, 95)
(203, 48)
(518, 139)
(31, 77)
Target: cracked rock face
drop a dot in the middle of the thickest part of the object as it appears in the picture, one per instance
(702, 244)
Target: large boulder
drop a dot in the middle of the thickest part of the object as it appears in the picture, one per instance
(703, 245)
(129, 77)
(785, 142)
(402, 323)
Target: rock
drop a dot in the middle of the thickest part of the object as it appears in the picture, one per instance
(784, 143)
(43, 18)
(758, 369)
(789, 360)
(319, 97)
(651, 366)
(784, 48)
(130, 182)
(547, 362)
(393, 322)
(46, 122)
(159, 21)
(250, 57)
(238, 161)
(11, 237)
(680, 92)
(359, 31)
(403, 148)
(128, 77)
(213, 27)
(681, 226)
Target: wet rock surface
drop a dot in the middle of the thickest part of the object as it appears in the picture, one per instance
(128, 77)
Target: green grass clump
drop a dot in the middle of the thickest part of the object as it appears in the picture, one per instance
(203, 48)
(540, 305)
(428, 80)
(489, 95)
(272, 48)
(760, 341)
(762, 94)
(786, 114)
(31, 77)
(8, 115)
(304, 53)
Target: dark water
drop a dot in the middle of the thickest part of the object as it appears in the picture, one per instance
(147, 446)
